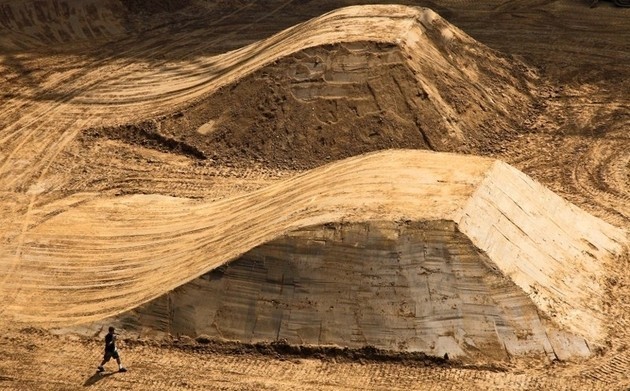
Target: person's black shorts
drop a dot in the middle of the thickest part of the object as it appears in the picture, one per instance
(109, 354)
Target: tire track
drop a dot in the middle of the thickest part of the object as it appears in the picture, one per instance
(30, 364)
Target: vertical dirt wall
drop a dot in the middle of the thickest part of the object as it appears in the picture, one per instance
(398, 286)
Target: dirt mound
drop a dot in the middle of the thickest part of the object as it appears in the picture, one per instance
(145, 246)
(431, 88)
(69, 65)
(398, 286)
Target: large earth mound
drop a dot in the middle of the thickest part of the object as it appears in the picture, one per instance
(550, 256)
(398, 286)
(155, 155)
(423, 85)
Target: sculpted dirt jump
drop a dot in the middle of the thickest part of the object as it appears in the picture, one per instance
(214, 171)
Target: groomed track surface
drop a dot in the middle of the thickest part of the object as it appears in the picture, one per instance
(109, 255)
(576, 145)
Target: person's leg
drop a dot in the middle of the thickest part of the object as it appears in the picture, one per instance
(120, 366)
(106, 358)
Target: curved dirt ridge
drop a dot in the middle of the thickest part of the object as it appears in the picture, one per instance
(41, 123)
(42, 119)
(393, 285)
(109, 255)
(106, 95)
(434, 88)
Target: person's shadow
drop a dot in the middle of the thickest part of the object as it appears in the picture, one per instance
(96, 377)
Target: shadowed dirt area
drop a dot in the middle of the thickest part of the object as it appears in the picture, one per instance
(180, 169)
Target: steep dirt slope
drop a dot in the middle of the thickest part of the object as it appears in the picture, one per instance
(144, 246)
(430, 88)
(399, 286)
(116, 91)
(41, 121)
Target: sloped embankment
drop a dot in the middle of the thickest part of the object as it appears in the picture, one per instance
(398, 286)
(424, 84)
(110, 255)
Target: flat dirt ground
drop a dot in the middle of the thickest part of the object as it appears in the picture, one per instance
(573, 137)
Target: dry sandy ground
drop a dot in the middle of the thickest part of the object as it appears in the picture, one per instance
(37, 361)
(568, 130)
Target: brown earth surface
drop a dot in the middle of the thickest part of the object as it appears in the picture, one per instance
(103, 99)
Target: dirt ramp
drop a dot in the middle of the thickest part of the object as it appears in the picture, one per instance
(144, 246)
(425, 85)
(406, 286)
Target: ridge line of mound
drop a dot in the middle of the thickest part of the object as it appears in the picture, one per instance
(443, 59)
(110, 255)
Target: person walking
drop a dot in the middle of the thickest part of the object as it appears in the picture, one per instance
(111, 351)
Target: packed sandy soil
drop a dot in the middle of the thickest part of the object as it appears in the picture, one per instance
(143, 146)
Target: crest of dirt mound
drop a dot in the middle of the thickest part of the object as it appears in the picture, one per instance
(423, 85)
(492, 262)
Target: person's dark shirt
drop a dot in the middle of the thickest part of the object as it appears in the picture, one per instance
(110, 342)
